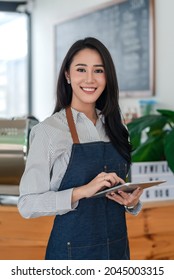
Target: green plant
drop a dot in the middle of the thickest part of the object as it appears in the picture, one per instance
(152, 137)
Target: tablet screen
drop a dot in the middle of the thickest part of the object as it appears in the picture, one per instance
(129, 187)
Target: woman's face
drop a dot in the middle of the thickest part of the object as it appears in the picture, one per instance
(87, 76)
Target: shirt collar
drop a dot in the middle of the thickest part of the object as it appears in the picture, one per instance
(76, 115)
(100, 116)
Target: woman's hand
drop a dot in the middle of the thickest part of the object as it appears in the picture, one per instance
(126, 199)
(101, 181)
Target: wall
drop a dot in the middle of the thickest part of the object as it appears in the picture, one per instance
(47, 13)
(164, 51)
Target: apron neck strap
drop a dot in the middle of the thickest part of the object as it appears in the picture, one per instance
(71, 125)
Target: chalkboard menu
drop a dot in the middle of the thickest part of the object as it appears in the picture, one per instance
(126, 29)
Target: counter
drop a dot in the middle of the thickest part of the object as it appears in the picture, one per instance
(151, 233)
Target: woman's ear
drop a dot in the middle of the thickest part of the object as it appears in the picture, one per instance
(67, 77)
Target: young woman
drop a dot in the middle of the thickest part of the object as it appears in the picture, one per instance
(79, 150)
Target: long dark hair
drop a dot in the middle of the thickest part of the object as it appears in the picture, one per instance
(107, 102)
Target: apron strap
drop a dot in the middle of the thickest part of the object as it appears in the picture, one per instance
(71, 124)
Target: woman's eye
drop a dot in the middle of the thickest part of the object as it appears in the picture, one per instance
(99, 71)
(81, 70)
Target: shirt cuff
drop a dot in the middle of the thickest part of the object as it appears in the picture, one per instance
(136, 210)
(64, 201)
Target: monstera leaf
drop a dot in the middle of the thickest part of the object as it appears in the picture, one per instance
(152, 137)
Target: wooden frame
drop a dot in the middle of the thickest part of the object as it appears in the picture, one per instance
(126, 27)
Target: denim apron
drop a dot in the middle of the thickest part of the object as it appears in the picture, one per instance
(96, 229)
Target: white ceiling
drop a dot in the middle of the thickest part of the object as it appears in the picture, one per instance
(5, 16)
(16, 1)
(12, 1)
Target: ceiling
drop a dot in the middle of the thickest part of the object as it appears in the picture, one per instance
(6, 13)
(18, 1)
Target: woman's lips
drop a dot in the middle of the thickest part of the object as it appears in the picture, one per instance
(89, 89)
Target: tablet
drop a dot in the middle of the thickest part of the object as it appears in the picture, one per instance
(128, 187)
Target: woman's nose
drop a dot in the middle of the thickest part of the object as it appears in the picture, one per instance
(89, 77)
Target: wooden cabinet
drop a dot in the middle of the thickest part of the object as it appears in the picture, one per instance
(151, 234)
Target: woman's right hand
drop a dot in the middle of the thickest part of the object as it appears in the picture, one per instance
(101, 181)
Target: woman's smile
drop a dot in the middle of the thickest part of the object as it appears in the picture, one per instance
(89, 90)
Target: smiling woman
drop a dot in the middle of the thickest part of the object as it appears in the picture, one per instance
(79, 150)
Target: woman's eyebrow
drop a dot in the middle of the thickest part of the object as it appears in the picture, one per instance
(81, 64)
(99, 65)
(95, 65)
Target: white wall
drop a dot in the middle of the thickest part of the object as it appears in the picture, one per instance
(46, 13)
(165, 52)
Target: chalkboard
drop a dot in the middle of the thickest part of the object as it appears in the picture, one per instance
(126, 29)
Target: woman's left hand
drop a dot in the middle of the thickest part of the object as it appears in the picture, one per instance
(126, 199)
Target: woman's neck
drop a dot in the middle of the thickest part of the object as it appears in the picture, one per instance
(89, 111)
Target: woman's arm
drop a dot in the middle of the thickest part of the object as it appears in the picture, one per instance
(37, 196)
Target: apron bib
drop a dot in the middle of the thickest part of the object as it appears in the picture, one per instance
(96, 229)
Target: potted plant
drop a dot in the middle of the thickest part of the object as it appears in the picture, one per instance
(152, 137)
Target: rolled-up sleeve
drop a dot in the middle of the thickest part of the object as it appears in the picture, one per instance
(135, 211)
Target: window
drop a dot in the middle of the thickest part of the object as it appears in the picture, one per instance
(13, 64)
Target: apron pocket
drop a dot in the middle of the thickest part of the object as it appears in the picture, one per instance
(114, 250)
(87, 252)
(119, 249)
